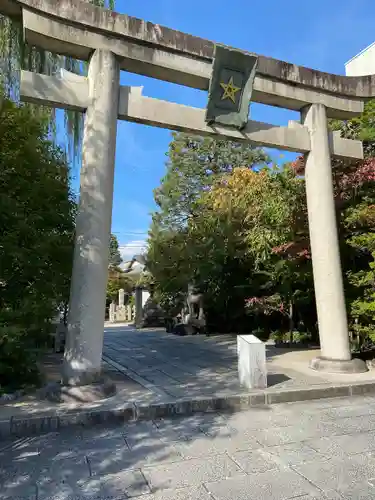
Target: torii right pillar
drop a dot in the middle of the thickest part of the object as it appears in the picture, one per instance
(328, 281)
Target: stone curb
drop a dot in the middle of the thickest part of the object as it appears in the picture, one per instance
(17, 427)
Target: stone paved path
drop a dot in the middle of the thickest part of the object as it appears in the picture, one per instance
(189, 366)
(152, 368)
(310, 451)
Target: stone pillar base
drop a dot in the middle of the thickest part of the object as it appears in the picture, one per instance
(338, 366)
(59, 393)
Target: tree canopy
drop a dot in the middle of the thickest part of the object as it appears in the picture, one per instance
(36, 237)
(238, 227)
(115, 258)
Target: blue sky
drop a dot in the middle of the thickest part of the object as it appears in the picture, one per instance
(322, 34)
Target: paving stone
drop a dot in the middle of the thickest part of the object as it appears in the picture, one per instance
(138, 432)
(147, 445)
(360, 491)
(326, 495)
(218, 426)
(294, 453)
(158, 378)
(345, 444)
(104, 440)
(352, 425)
(18, 488)
(119, 460)
(60, 445)
(195, 493)
(130, 483)
(350, 411)
(191, 472)
(338, 473)
(24, 470)
(255, 461)
(167, 435)
(255, 418)
(207, 446)
(176, 429)
(271, 485)
(316, 406)
(18, 454)
(70, 470)
(282, 435)
(49, 489)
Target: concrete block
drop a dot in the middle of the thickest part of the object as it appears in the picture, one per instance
(252, 370)
(364, 388)
(294, 395)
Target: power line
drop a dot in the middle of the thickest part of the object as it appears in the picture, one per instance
(130, 233)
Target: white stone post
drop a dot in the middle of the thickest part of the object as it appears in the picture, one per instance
(83, 351)
(112, 312)
(138, 295)
(121, 297)
(252, 368)
(328, 280)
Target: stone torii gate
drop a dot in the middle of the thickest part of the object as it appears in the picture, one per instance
(112, 42)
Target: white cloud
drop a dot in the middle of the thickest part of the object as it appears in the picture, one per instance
(132, 248)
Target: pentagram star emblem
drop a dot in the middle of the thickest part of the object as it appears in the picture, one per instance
(230, 90)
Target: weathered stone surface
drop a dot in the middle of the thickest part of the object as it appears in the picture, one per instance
(204, 383)
(123, 484)
(349, 444)
(252, 370)
(294, 453)
(339, 366)
(190, 472)
(166, 39)
(339, 473)
(101, 389)
(270, 485)
(274, 436)
(256, 461)
(212, 446)
(194, 493)
(214, 456)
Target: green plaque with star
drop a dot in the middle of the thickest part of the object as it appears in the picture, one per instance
(231, 86)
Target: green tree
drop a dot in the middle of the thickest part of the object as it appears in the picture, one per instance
(194, 163)
(36, 234)
(189, 241)
(116, 283)
(114, 252)
(262, 209)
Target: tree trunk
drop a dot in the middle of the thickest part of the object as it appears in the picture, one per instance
(291, 321)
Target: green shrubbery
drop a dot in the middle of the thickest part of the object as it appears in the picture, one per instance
(36, 234)
(18, 360)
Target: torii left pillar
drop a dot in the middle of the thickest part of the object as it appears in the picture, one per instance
(84, 342)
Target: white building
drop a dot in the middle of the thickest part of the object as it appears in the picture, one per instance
(363, 63)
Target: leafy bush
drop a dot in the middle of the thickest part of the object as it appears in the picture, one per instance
(284, 337)
(18, 361)
(36, 240)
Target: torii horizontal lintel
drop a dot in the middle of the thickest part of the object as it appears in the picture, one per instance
(156, 62)
(69, 91)
(142, 33)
